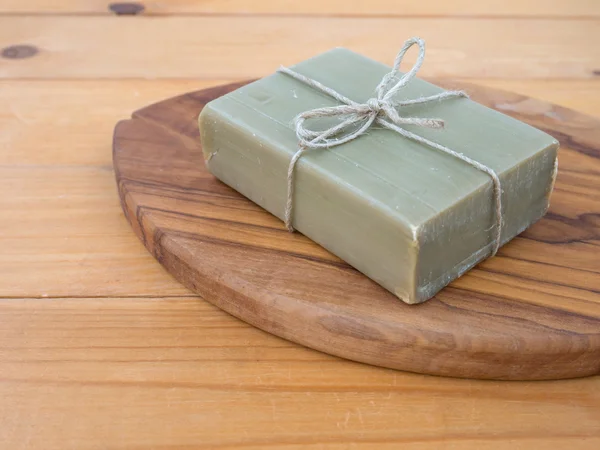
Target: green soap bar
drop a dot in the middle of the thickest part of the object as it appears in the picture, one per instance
(409, 217)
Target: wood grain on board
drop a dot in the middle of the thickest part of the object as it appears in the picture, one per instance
(184, 47)
(526, 314)
(63, 235)
(426, 8)
(178, 373)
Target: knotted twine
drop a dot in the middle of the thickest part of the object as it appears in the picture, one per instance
(382, 110)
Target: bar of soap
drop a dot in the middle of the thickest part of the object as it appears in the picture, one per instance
(409, 217)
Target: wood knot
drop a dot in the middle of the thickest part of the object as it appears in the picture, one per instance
(19, 51)
(126, 9)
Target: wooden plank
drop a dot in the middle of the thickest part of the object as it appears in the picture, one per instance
(399, 8)
(185, 47)
(42, 119)
(64, 234)
(178, 373)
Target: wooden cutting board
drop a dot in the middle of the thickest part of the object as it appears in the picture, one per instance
(530, 313)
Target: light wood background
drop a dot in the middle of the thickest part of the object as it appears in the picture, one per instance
(101, 349)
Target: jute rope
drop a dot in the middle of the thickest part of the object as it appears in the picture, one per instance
(357, 118)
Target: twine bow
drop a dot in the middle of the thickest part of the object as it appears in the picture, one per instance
(357, 118)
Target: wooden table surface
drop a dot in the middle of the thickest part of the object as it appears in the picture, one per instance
(101, 349)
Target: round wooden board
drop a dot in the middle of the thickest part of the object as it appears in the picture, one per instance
(532, 312)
